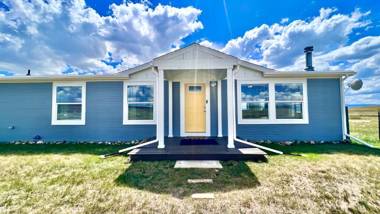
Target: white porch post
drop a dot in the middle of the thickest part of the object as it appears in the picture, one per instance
(220, 122)
(160, 109)
(230, 107)
(170, 133)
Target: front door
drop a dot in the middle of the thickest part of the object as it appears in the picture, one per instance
(195, 108)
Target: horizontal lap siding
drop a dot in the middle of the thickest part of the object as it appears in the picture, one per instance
(27, 107)
(213, 110)
(325, 121)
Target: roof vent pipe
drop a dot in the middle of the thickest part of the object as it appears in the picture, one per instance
(309, 58)
(28, 74)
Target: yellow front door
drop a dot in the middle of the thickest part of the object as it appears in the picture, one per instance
(195, 108)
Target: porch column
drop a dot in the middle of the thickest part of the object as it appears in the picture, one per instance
(230, 107)
(160, 109)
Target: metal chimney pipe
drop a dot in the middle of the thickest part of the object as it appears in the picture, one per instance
(309, 58)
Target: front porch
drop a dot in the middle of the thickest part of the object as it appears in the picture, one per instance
(175, 151)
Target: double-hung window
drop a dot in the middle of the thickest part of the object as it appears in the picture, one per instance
(69, 103)
(289, 100)
(272, 101)
(139, 103)
(254, 101)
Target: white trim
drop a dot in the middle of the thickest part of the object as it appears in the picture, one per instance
(54, 115)
(126, 121)
(219, 97)
(170, 88)
(343, 109)
(272, 103)
(160, 128)
(182, 110)
(230, 107)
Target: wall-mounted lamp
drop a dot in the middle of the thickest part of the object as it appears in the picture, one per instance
(213, 84)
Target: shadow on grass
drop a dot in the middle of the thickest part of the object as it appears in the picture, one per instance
(161, 177)
(12, 149)
(354, 149)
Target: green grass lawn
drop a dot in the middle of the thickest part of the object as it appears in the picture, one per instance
(72, 178)
(364, 124)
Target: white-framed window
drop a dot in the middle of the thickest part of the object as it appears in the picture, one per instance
(139, 103)
(69, 103)
(272, 102)
(289, 100)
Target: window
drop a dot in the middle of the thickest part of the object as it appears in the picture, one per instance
(195, 88)
(272, 101)
(139, 103)
(289, 99)
(254, 101)
(68, 103)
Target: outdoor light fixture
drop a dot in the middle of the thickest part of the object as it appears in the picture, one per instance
(213, 84)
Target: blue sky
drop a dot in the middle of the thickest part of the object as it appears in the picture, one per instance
(97, 37)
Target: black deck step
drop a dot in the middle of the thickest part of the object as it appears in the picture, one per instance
(197, 153)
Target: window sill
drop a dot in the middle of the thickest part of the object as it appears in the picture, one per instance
(275, 122)
(139, 122)
(68, 123)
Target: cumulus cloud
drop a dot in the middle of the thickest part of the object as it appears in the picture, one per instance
(57, 36)
(280, 46)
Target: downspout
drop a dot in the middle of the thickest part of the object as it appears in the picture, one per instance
(122, 151)
(234, 119)
(344, 119)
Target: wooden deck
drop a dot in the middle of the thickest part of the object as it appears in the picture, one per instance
(174, 151)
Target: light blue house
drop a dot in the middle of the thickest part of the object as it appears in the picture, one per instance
(193, 91)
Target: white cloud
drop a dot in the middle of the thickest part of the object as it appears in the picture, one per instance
(284, 20)
(278, 46)
(281, 46)
(53, 36)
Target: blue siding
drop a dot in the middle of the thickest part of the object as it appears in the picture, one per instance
(176, 110)
(224, 109)
(28, 108)
(214, 111)
(325, 122)
(166, 108)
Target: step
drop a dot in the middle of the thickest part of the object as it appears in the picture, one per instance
(198, 164)
(200, 181)
(203, 196)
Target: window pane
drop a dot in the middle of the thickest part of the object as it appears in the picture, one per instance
(257, 92)
(69, 112)
(69, 94)
(289, 110)
(140, 111)
(255, 110)
(289, 92)
(195, 88)
(140, 93)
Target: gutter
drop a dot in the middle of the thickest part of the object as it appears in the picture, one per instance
(38, 79)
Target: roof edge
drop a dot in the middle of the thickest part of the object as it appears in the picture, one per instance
(20, 79)
(315, 74)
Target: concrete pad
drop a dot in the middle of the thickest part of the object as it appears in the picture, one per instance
(252, 151)
(203, 196)
(198, 164)
(199, 181)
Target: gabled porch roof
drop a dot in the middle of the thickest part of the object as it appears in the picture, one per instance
(226, 60)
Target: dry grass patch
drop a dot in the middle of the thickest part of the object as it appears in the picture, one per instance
(67, 179)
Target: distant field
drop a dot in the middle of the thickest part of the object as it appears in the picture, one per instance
(364, 123)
